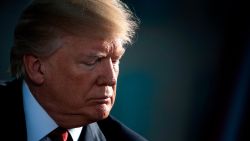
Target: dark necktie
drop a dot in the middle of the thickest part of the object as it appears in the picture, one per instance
(60, 134)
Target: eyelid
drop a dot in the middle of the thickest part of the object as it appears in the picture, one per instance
(94, 61)
(97, 58)
(116, 60)
(90, 62)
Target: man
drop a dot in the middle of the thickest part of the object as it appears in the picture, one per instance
(66, 62)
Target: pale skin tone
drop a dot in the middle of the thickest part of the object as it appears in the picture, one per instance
(76, 85)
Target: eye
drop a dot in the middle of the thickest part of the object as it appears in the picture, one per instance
(115, 60)
(93, 62)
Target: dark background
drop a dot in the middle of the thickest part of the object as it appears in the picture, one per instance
(187, 76)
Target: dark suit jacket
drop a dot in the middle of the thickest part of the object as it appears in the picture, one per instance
(13, 122)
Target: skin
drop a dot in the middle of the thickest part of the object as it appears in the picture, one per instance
(77, 83)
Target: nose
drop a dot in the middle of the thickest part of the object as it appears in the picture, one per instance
(108, 74)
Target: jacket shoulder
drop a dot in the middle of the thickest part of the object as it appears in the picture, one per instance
(4, 86)
(114, 130)
(9, 85)
(11, 108)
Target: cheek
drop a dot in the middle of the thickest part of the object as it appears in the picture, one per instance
(74, 76)
(72, 87)
(81, 85)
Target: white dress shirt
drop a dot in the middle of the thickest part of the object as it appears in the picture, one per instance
(38, 122)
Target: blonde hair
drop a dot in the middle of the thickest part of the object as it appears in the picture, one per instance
(44, 21)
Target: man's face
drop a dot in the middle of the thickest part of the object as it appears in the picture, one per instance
(80, 80)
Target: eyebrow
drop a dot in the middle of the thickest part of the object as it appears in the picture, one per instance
(96, 55)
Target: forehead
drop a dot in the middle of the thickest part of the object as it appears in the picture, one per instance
(87, 45)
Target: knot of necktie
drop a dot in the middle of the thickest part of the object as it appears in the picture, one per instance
(60, 134)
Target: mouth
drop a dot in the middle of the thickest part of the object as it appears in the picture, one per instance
(104, 100)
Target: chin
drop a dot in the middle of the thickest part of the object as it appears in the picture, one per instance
(102, 111)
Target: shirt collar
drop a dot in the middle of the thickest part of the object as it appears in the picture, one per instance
(38, 122)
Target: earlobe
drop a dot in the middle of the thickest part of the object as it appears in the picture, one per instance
(33, 68)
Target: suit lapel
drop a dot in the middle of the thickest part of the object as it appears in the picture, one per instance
(92, 132)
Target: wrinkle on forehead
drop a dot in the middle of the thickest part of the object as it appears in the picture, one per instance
(114, 47)
(104, 47)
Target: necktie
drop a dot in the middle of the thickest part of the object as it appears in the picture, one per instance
(60, 134)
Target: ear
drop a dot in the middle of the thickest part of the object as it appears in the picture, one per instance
(33, 68)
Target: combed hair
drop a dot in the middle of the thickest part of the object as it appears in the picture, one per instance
(44, 21)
